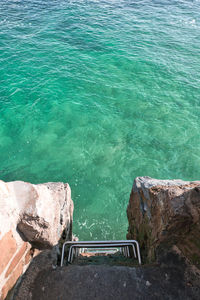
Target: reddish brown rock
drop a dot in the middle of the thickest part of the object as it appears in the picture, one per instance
(28, 256)
(36, 215)
(164, 213)
(8, 247)
(16, 259)
(12, 280)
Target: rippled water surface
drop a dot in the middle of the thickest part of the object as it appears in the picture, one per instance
(95, 93)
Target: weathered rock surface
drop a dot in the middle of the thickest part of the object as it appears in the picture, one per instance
(41, 212)
(164, 218)
(103, 282)
(31, 216)
(163, 214)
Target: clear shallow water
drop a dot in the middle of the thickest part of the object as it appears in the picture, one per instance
(95, 93)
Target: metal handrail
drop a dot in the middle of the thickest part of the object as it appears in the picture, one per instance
(112, 244)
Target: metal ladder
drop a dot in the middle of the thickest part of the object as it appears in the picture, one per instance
(125, 246)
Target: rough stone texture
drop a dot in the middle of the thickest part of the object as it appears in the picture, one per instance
(41, 212)
(46, 213)
(31, 216)
(12, 280)
(43, 262)
(164, 217)
(32, 252)
(16, 259)
(170, 281)
(163, 214)
(8, 247)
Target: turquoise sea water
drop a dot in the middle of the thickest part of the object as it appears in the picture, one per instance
(95, 93)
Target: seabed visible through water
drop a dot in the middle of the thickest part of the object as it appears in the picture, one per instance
(95, 93)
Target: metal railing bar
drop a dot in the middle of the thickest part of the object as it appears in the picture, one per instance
(70, 256)
(132, 243)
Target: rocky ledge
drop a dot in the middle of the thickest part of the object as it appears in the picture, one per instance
(104, 282)
(164, 215)
(32, 218)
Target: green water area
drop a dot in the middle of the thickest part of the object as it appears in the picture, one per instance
(96, 93)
